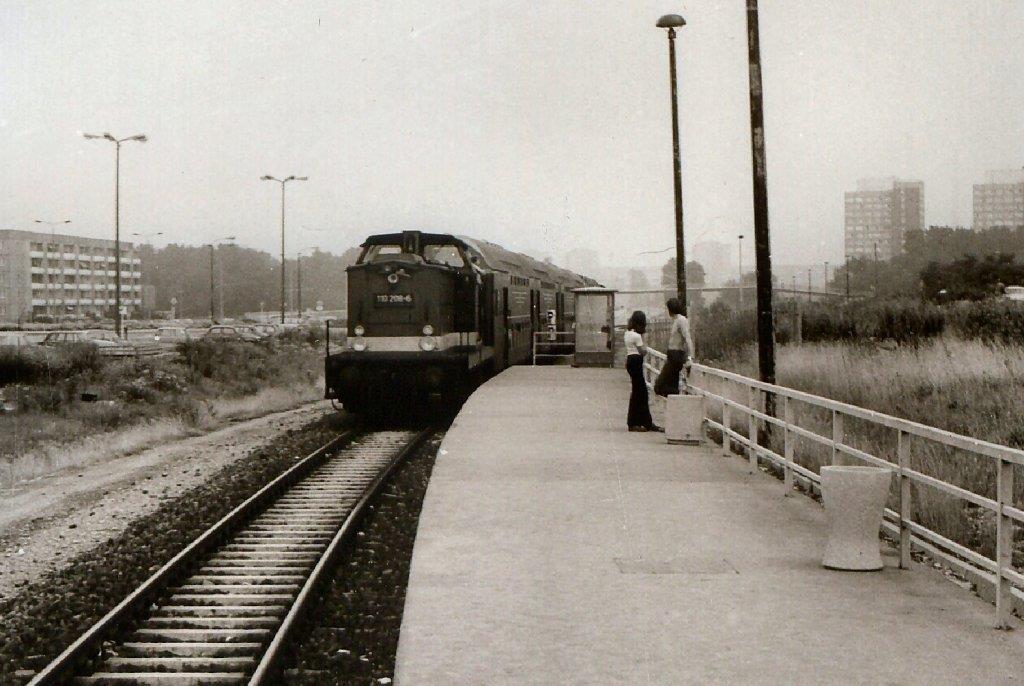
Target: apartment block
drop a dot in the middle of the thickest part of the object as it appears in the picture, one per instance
(1000, 200)
(878, 215)
(64, 276)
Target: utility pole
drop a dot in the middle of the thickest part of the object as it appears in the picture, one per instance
(141, 138)
(739, 244)
(298, 274)
(283, 182)
(876, 270)
(846, 269)
(213, 313)
(672, 22)
(762, 240)
(809, 298)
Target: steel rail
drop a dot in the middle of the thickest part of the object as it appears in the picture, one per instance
(88, 643)
(265, 673)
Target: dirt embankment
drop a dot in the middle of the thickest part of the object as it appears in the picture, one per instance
(45, 522)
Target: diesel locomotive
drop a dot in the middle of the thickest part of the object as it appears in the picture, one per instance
(432, 315)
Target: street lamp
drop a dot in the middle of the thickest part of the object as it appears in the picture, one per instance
(740, 244)
(825, 288)
(141, 138)
(145, 236)
(672, 22)
(268, 177)
(50, 297)
(298, 273)
(213, 318)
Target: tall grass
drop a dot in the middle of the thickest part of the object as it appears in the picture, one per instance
(969, 387)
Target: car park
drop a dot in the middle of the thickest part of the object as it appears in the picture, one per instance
(105, 342)
(171, 335)
(13, 339)
(220, 332)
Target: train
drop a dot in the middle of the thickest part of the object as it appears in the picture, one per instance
(432, 315)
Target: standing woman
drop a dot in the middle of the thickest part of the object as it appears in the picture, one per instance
(638, 417)
(680, 351)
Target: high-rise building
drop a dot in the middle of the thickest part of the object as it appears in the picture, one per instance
(64, 276)
(879, 213)
(714, 256)
(1000, 200)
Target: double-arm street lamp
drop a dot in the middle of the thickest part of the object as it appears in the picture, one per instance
(283, 182)
(51, 297)
(141, 138)
(672, 22)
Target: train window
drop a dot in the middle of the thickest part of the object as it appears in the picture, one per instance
(375, 251)
(447, 255)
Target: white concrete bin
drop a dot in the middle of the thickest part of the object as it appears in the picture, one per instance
(854, 498)
(684, 419)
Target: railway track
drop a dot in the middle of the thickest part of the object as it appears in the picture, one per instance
(220, 611)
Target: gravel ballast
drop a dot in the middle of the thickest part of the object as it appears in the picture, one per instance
(47, 615)
(352, 635)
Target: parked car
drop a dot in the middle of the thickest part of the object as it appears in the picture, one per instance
(13, 339)
(267, 330)
(221, 332)
(105, 342)
(170, 335)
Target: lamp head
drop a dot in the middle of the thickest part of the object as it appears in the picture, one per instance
(140, 138)
(671, 21)
(267, 177)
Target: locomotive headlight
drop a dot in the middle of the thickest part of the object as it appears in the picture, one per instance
(428, 330)
(359, 330)
(393, 278)
(359, 344)
(427, 344)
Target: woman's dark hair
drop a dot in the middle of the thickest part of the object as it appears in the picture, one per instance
(673, 306)
(637, 322)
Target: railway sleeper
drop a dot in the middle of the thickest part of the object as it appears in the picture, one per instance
(200, 635)
(188, 649)
(179, 664)
(213, 589)
(231, 599)
(160, 679)
(219, 623)
(211, 611)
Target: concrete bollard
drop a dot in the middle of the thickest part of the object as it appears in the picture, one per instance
(854, 498)
(684, 419)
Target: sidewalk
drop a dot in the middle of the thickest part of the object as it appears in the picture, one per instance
(557, 548)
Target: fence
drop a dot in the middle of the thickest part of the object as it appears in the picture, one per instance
(717, 386)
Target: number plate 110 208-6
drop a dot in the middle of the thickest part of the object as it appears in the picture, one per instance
(393, 298)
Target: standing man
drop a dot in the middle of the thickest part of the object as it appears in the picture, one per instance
(680, 351)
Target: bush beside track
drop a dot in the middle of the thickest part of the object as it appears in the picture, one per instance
(47, 616)
(44, 386)
(352, 636)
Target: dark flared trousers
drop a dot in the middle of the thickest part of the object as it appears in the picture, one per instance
(639, 409)
(667, 382)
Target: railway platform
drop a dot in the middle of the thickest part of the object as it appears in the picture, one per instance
(555, 547)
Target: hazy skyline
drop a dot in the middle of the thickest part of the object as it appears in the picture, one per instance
(541, 126)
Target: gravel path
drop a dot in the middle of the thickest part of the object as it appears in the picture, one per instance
(53, 519)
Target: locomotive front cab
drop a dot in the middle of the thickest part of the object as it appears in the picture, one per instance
(414, 304)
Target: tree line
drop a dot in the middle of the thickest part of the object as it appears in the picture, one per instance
(247, 280)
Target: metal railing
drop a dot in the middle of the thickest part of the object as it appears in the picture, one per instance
(553, 345)
(717, 385)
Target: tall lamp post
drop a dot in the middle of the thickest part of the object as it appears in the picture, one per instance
(141, 138)
(211, 246)
(673, 22)
(283, 182)
(298, 277)
(146, 236)
(739, 243)
(49, 282)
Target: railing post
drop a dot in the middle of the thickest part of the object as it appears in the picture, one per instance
(1004, 544)
(726, 418)
(838, 436)
(752, 394)
(903, 462)
(787, 451)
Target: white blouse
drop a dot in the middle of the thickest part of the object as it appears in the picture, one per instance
(633, 341)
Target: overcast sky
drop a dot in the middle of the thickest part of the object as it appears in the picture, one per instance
(543, 126)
